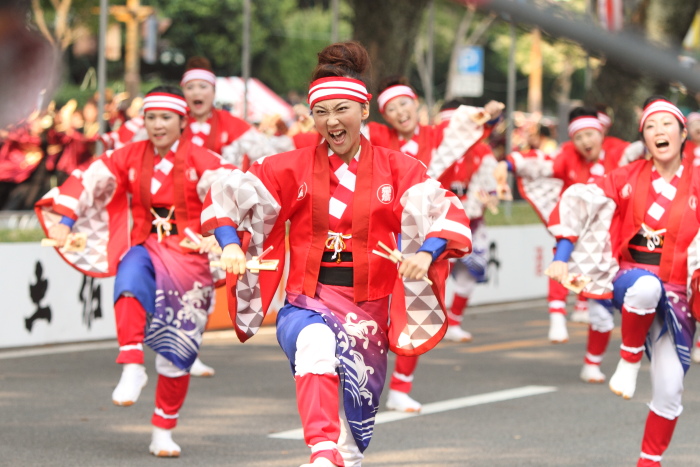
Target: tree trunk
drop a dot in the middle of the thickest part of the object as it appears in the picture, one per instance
(388, 30)
(665, 22)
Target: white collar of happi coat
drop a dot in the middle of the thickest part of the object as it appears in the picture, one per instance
(339, 201)
(410, 147)
(344, 169)
(163, 168)
(173, 149)
(662, 186)
(164, 165)
(200, 127)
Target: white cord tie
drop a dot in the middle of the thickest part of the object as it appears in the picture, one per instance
(163, 224)
(336, 241)
(653, 237)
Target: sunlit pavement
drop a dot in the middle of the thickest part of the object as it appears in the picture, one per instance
(509, 398)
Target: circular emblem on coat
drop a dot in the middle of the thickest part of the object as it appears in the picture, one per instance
(693, 202)
(385, 193)
(626, 191)
(132, 175)
(302, 191)
(192, 174)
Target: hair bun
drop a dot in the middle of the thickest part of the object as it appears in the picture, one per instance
(349, 59)
(198, 63)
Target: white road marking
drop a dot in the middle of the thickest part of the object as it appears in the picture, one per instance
(443, 406)
(56, 349)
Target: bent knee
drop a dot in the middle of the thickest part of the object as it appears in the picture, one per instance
(316, 350)
(644, 295)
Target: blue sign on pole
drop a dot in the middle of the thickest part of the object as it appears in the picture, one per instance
(471, 60)
(469, 80)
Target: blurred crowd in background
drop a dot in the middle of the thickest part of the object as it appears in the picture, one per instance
(40, 151)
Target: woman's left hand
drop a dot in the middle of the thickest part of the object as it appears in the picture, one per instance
(209, 244)
(494, 108)
(416, 267)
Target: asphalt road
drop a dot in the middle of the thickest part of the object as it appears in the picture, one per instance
(509, 398)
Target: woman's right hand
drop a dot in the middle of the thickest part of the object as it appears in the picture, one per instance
(59, 232)
(558, 270)
(233, 259)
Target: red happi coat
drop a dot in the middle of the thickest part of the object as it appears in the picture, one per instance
(542, 178)
(427, 138)
(601, 219)
(225, 129)
(571, 168)
(98, 199)
(692, 151)
(392, 195)
(629, 188)
(457, 177)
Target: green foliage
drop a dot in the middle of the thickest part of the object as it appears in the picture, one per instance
(17, 235)
(306, 32)
(284, 38)
(512, 213)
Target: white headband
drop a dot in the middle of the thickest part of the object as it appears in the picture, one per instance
(392, 92)
(693, 117)
(198, 73)
(604, 119)
(582, 123)
(165, 101)
(661, 106)
(337, 87)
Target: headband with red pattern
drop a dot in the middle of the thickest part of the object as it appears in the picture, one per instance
(661, 106)
(337, 87)
(165, 101)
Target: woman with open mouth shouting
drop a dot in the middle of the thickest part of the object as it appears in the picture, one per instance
(541, 178)
(635, 234)
(344, 199)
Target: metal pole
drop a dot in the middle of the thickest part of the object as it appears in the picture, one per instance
(588, 77)
(101, 72)
(510, 109)
(334, 24)
(246, 55)
(510, 98)
(429, 98)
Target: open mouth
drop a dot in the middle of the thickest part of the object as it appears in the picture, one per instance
(198, 102)
(661, 143)
(337, 136)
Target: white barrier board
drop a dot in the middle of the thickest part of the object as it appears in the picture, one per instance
(518, 257)
(46, 301)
